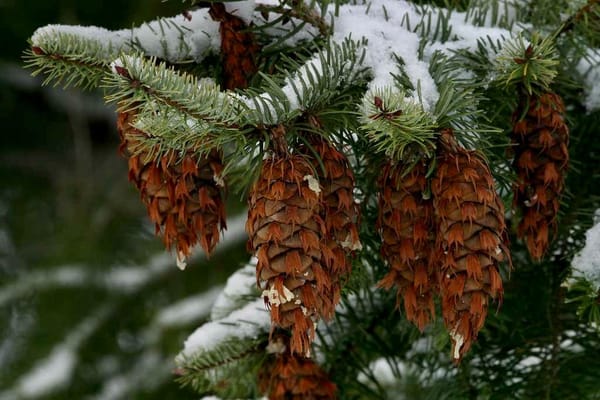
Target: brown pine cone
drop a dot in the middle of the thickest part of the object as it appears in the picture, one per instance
(541, 139)
(239, 48)
(471, 235)
(285, 232)
(184, 197)
(405, 222)
(293, 377)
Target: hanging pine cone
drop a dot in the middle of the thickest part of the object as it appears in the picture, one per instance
(285, 232)
(470, 242)
(541, 137)
(183, 198)
(239, 49)
(338, 210)
(405, 222)
(293, 377)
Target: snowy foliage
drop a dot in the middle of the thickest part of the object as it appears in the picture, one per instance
(586, 264)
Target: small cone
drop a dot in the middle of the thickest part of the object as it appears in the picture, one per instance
(285, 232)
(541, 141)
(470, 242)
(293, 377)
(339, 211)
(405, 223)
(183, 198)
(239, 49)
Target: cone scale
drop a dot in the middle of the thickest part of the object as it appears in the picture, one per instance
(470, 242)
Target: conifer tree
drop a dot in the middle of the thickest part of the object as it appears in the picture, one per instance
(445, 150)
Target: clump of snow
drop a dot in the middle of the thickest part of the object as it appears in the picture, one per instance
(175, 39)
(247, 322)
(49, 374)
(313, 183)
(242, 284)
(243, 9)
(383, 371)
(586, 264)
(275, 298)
(189, 309)
(589, 67)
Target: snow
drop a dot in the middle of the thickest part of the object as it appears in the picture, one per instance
(175, 39)
(586, 264)
(56, 370)
(247, 322)
(387, 37)
(589, 68)
(189, 309)
(242, 284)
(243, 9)
(48, 374)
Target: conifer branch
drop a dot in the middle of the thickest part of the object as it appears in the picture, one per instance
(529, 65)
(587, 12)
(398, 126)
(228, 369)
(300, 11)
(67, 60)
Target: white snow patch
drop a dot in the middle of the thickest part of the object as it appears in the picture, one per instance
(313, 183)
(174, 39)
(243, 9)
(189, 309)
(49, 374)
(246, 322)
(589, 67)
(239, 285)
(586, 264)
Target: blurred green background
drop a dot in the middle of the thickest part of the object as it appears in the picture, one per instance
(91, 306)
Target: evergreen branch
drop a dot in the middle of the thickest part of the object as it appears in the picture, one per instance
(529, 65)
(136, 79)
(583, 14)
(458, 105)
(311, 87)
(229, 369)
(67, 60)
(300, 11)
(396, 124)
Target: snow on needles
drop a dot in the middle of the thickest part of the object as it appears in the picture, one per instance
(589, 68)
(245, 323)
(586, 264)
(175, 39)
(229, 320)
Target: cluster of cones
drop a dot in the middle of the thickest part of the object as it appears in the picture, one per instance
(449, 242)
(442, 235)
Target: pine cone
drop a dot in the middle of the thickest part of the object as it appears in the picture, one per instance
(338, 210)
(470, 243)
(405, 222)
(285, 233)
(183, 198)
(239, 49)
(541, 158)
(293, 377)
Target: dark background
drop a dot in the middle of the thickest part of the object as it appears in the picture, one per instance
(71, 224)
